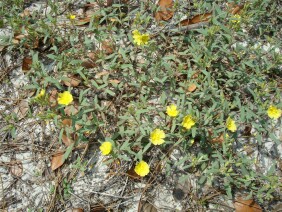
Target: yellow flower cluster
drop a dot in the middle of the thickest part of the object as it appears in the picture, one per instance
(142, 168)
(157, 137)
(188, 122)
(65, 98)
(140, 39)
(106, 148)
(236, 19)
(273, 112)
(172, 111)
(230, 124)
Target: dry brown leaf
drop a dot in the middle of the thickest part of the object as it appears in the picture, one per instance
(67, 122)
(25, 13)
(72, 80)
(53, 97)
(82, 21)
(93, 55)
(98, 208)
(57, 161)
(166, 10)
(77, 127)
(242, 205)
(14, 41)
(145, 206)
(22, 109)
(218, 140)
(102, 73)
(75, 210)
(108, 47)
(26, 65)
(247, 130)
(196, 19)
(234, 9)
(132, 174)
(114, 81)
(67, 140)
(20, 37)
(88, 63)
(192, 87)
(71, 109)
(17, 168)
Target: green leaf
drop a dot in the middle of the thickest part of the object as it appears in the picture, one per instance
(202, 180)
(68, 151)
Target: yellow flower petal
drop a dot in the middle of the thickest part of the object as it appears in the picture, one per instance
(142, 168)
(172, 110)
(230, 124)
(188, 122)
(65, 98)
(106, 148)
(157, 137)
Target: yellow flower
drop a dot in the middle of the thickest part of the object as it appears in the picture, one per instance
(142, 168)
(106, 147)
(236, 19)
(72, 17)
(65, 98)
(230, 124)
(41, 94)
(273, 112)
(172, 110)
(140, 39)
(157, 137)
(188, 122)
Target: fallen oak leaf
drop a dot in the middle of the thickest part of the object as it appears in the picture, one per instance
(196, 19)
(82, 21)
(17, 168)
(114, 81)
(102, 73)
(234, 9)
(88, 63)
(250, 205)
(192, 87)
(53, 97)
(165, 12)
(25, 13)
(67, 122)
(57, 161)
(26, 65)
(22, 109)
(132, 174)
(71, 109)
(108, 47)
(75, 210)
(71, 80)
(66, 139)
(218, 140)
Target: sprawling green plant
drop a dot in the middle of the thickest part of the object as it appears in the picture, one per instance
(148, 93)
